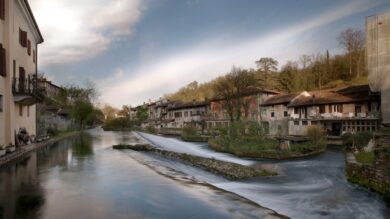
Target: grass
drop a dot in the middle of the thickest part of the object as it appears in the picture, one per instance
(365, 157)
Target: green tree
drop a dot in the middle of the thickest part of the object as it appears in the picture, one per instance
(266, 66)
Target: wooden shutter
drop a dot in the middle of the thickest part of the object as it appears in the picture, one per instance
(3, 68)
(29, 47)
(2, 9)
(23, 38)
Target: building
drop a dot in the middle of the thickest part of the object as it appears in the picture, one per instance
(253, 97)
(181, 114)
(275, 113)
(19, 39)
(350, 109)
(49, 89)
(378, 58)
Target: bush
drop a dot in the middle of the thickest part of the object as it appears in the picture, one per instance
(316, 136)
(151, 129)
(189, 131)
(365, 157)
(359, 140)
(118, 124)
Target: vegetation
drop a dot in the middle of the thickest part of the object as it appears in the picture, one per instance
(247, 139)
(357, 140)
(309, 72)
(365, 157)
(190, 133)
(118, 124)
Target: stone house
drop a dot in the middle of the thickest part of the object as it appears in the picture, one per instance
(19, 39)
(275, 113)
(351, 109)
(253, 97)
(49, 89)
(181, 114)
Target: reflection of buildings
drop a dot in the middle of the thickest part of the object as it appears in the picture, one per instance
(378, 58)
(17, 181)
(19, 39)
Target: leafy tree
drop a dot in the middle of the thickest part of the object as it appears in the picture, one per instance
(352, 40)
(142, 114)
(81, 112)
(266, 66)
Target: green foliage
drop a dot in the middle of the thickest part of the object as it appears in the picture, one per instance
(142, 114)
(359, 140)
(121, 123)
(189, 131)
(316, 136)
(81, 112)
(365, 157)
(151, 129)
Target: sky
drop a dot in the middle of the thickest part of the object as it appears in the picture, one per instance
(137, 50)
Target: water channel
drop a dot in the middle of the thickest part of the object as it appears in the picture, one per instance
(83, 177)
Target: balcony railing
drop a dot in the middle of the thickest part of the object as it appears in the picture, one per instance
(24, 86)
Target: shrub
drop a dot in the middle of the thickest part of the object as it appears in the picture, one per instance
(151, 129)
(316, 136)
(359, 140)
(118, 123)
(365, 157)
(189, 131)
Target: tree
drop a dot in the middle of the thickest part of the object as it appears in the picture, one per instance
(81, 111)
(231, 90)
(142, 114)
(286, 79)
(266, 66)
(125, 111)
(109, 112)
(352, 40)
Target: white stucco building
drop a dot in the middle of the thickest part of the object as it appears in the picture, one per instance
(19, 39)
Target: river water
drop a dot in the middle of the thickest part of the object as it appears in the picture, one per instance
(83, 177)
(314, 187)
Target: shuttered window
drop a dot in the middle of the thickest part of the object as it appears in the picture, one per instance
(2, 9)
(1, 103)
(34, 56)
(29, 47)
(3, 69)
(23, 38)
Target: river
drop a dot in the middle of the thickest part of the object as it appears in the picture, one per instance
(83, 177)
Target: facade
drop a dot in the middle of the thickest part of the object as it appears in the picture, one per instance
(19, 39)
(253, 98)
(275, 113)
(48, 88)
(181, 114)
(351, 109)
(378, 58)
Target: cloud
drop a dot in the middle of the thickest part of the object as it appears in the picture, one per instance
(76, 30)
(214, 57)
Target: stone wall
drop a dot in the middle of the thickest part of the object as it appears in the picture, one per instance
(375, 176)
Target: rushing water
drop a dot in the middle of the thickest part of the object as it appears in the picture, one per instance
(307, 188)
(82, 177)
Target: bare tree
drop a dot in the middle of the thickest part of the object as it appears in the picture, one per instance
(231, 90)
(352, 40)
(267, 65)
(305, 60)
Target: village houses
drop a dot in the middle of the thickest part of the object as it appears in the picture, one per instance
(19, 39)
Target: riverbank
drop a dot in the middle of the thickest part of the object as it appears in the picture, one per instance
(231, 171)
(371, 171)
(21, 152)
(270, 151)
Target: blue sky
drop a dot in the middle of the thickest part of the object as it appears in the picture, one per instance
(135, 50)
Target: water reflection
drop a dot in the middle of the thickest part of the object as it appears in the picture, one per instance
(82, 177)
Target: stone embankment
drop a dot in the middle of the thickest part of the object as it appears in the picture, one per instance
(21, 152)
(375, 176)
(228, 170)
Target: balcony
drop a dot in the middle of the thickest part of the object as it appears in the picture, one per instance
(26, 91)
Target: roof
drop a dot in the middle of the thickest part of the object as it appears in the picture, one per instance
(187, 105)
(349, 94)
(34, 21)
(249, 91)
(280, 99)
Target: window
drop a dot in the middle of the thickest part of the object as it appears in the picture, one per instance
(186, 114)
(34, 56)
(29, 47)
(322, 109)
(23, 38)
(28, 111)
(1, 103)
(272, 114)
(285, 114)
(3, 69)
(296, 122)
(20, 110)
(338, 108)
(295, 110)
(330, 108)
(178, 114)
(2, 9)
(304, 123)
